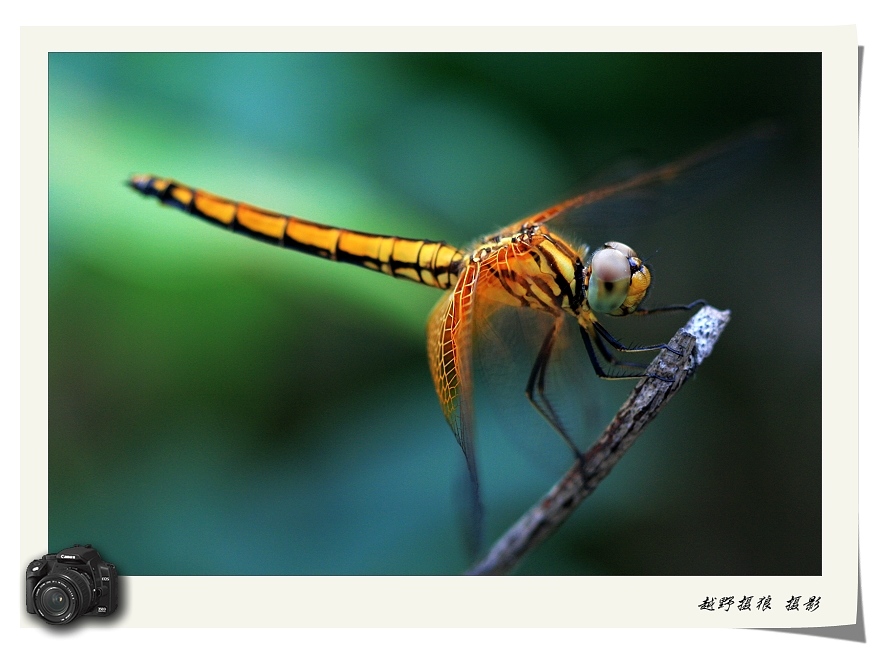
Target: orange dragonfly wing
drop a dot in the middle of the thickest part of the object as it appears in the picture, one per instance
(450, 334)
(450, 343)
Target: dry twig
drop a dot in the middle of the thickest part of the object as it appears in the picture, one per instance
(695, 341)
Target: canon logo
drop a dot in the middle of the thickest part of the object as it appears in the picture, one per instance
(66, 556)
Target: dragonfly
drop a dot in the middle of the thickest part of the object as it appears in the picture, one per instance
(532, 265)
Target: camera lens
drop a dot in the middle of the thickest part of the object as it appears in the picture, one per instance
(54, 601)
(62, 596)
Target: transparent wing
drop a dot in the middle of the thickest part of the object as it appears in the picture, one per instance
(662, 191)
(507, 342)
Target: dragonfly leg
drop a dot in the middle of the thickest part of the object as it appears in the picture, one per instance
(671, 307)
(593, 342)
(535, 388)
(620, 347)
(613, 360)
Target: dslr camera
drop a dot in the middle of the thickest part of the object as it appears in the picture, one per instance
(76, 581)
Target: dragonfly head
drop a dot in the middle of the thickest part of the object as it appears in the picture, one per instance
(616, 280)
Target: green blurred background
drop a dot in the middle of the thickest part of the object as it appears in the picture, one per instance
(218, 406)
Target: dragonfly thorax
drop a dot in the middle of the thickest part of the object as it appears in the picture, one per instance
(531, 268)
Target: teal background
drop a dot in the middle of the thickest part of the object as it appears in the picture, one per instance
(218, 406)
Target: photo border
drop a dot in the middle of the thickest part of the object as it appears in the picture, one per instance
(463, 601)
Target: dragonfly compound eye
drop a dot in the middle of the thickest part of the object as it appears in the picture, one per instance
(610, 278)
(620, 247)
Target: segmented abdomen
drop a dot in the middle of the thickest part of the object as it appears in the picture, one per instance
(433, 263)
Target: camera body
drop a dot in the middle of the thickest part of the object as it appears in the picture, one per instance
(75, 581)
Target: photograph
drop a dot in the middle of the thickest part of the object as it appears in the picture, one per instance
(413, 320)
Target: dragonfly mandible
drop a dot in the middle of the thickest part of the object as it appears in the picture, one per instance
(527, 265)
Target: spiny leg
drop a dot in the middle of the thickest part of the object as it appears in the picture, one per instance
(592, 342)
(617, 345)
(593, 338)
(620, 347)
(536, 382)
(671, 307)
(613, 360)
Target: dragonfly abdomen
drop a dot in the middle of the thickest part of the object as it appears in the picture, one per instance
(433, 263)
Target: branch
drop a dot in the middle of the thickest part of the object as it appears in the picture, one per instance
(695, 341)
